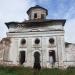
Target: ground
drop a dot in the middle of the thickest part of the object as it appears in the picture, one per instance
(29, 71)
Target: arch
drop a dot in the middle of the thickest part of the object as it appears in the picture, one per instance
(36, 60)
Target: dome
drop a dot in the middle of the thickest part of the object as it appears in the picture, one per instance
(37, 12)
(35, 7)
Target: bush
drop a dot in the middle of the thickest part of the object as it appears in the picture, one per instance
(6, 70)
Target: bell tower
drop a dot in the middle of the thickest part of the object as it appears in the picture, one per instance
(37, 12)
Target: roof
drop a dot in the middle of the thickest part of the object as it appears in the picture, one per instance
(67, 44)
(35, 7)
(30, 23)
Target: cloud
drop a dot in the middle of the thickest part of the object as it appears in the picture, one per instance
(41, 1)
(70, 31)
(13, 10)
(61, 9)
(70, 14)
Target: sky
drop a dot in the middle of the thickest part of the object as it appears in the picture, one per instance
(15, 10)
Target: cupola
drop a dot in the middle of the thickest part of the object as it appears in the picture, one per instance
(37, 12)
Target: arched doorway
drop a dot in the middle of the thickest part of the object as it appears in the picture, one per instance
(22, 57)
(36, 60)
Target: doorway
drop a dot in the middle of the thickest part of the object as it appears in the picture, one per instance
(22, 57)
(52, 54)
(37, 61)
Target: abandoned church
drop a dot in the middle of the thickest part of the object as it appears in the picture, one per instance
(37, 42)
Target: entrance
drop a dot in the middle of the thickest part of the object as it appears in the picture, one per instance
(37, 61)
(22, 57)
(52, 55)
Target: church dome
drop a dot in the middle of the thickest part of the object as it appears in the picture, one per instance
(37, 12)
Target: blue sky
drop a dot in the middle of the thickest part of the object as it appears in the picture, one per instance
(15, 10)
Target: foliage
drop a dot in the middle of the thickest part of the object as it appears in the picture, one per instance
(29, 71)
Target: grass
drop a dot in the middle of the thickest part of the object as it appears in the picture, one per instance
(29, 71)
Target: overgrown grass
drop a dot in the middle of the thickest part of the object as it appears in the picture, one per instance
(28, 71)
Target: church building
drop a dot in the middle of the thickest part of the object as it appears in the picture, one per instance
(37, 42)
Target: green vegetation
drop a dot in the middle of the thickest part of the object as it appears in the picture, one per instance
(29, 71)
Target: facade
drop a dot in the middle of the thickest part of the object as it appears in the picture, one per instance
(37, 42)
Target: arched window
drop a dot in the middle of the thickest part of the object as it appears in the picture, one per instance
(37, 41)
(23, 41)
(51, 41)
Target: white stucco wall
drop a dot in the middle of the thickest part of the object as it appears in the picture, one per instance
(43, 48)
(70, 55)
